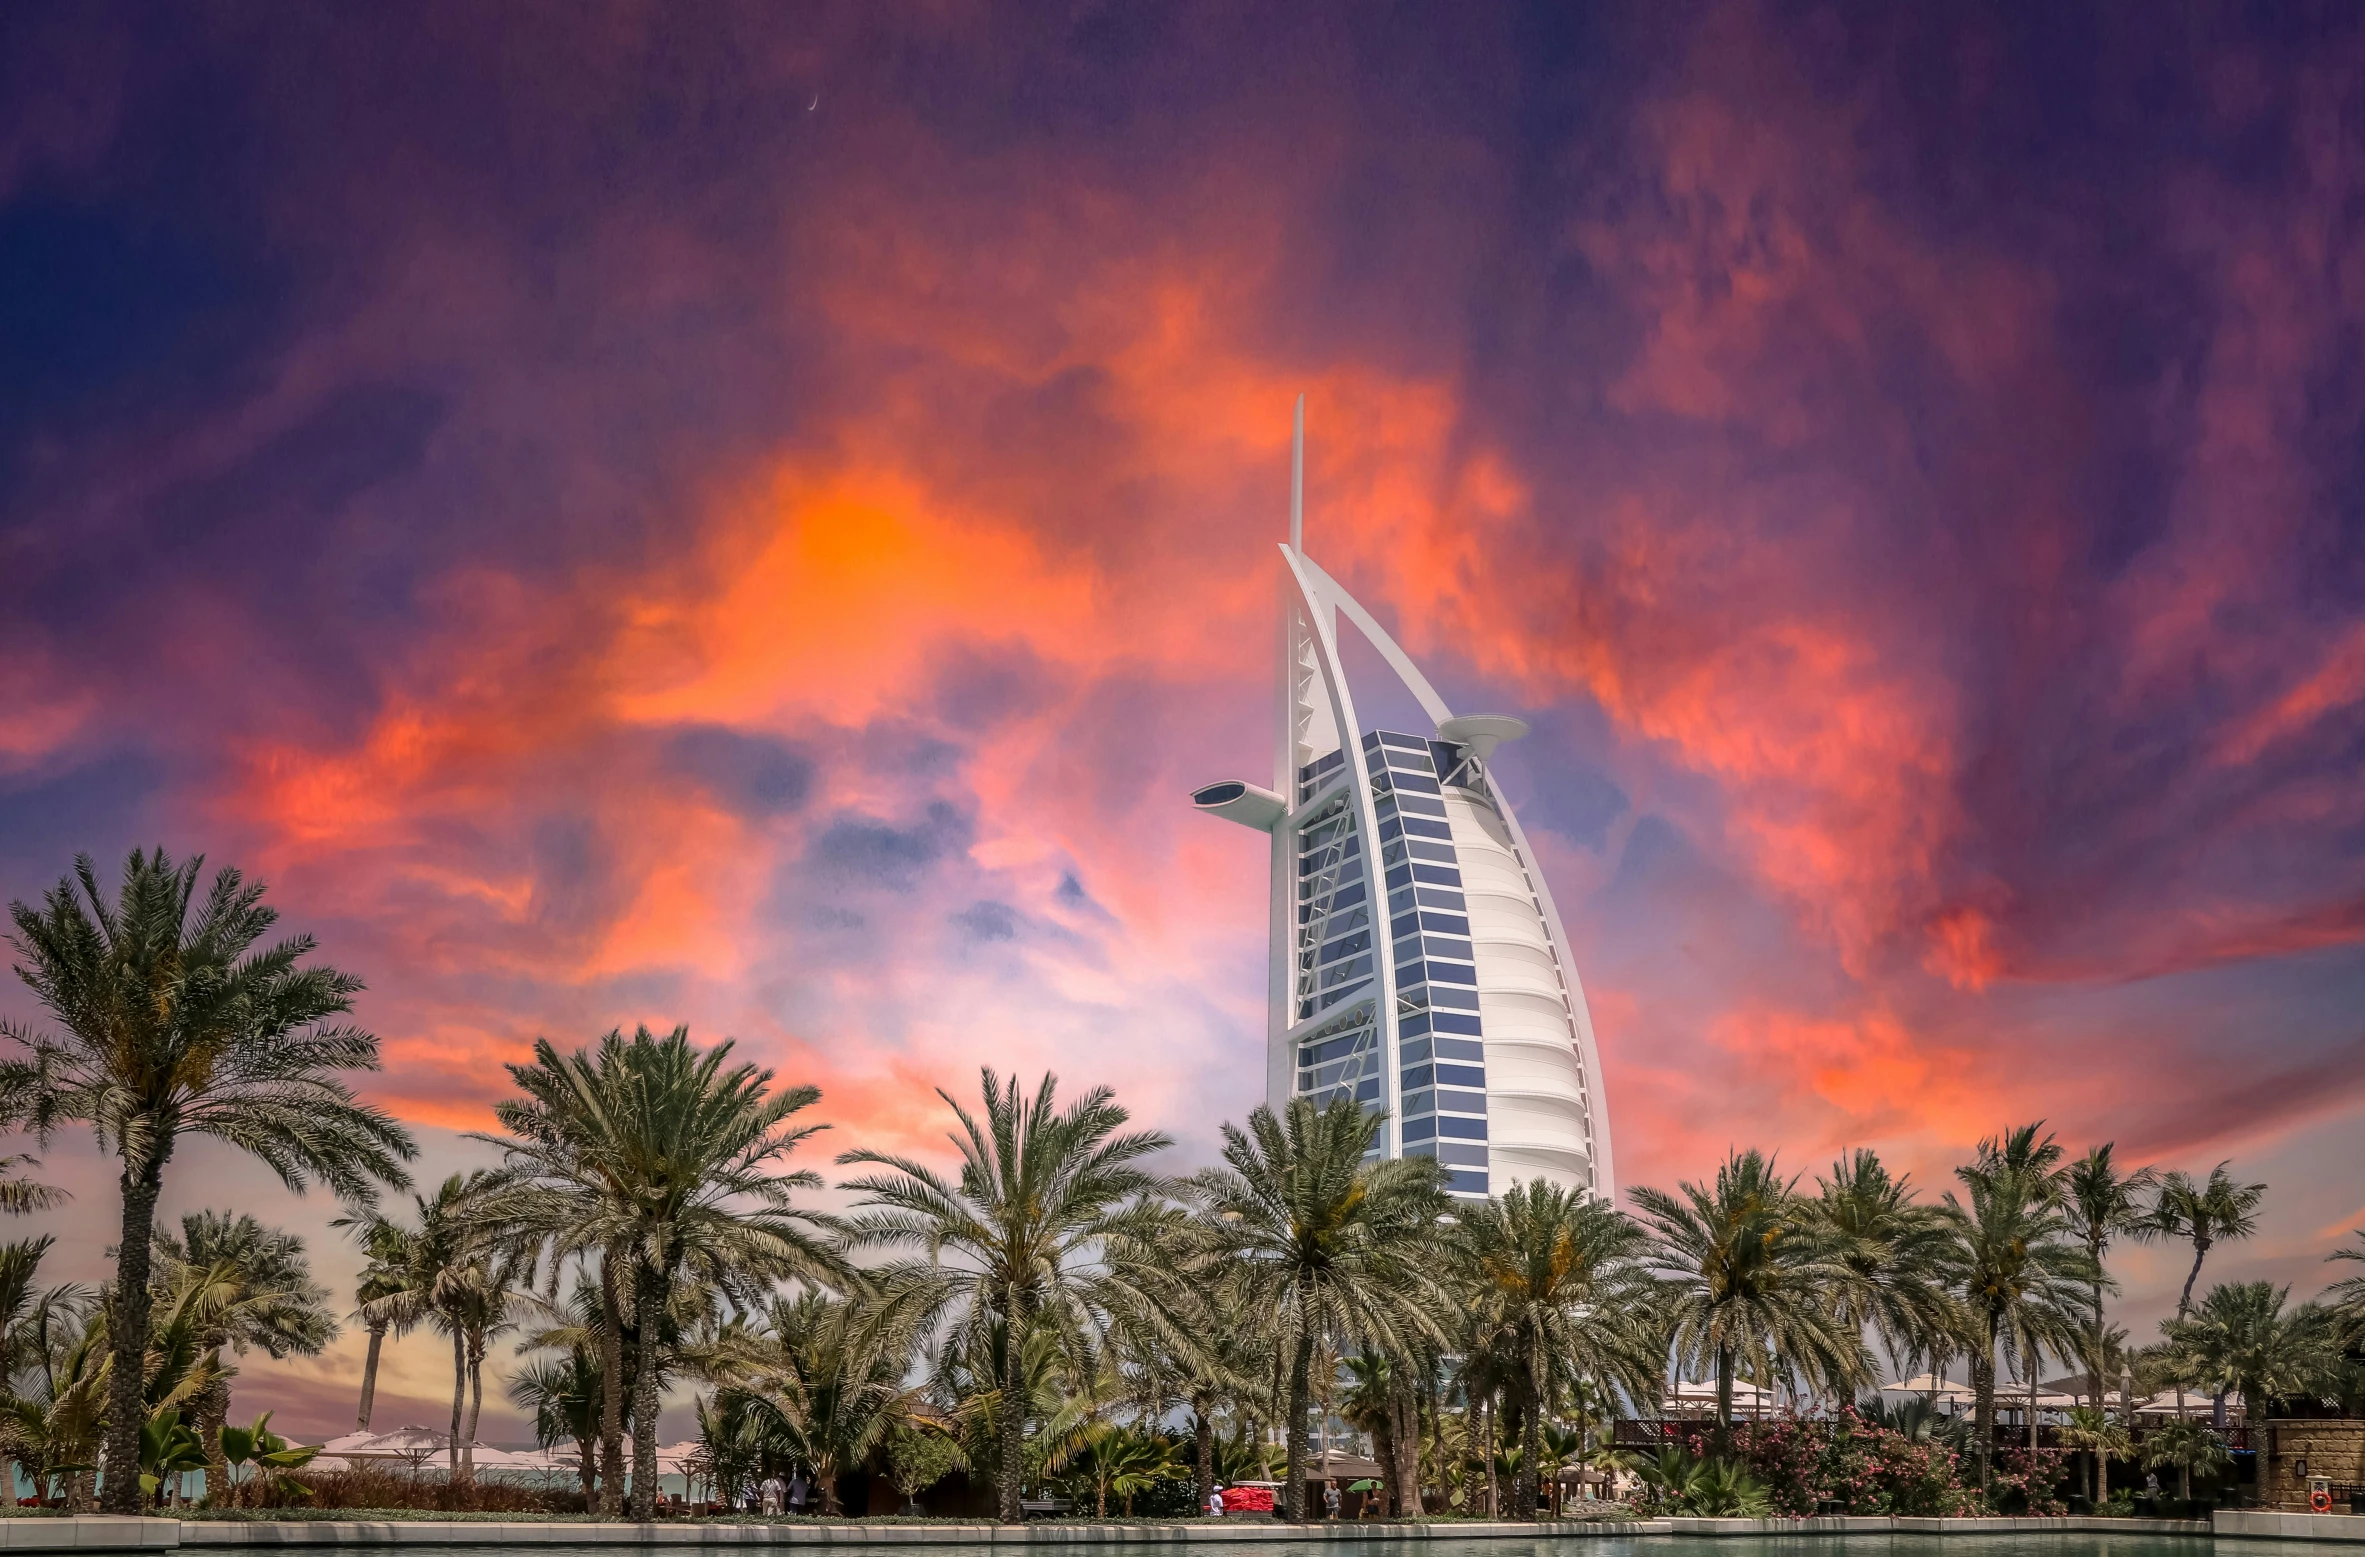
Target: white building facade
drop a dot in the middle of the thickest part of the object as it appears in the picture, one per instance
(1418, 964)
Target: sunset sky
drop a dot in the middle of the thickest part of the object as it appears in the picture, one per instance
(756, 516)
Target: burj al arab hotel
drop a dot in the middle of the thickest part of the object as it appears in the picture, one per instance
(1418, 964)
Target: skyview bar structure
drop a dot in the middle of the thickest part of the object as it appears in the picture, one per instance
(1418, 964)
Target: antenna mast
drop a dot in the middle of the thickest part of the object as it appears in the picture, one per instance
(1297, 480)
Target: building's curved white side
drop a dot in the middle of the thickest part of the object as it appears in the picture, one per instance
(1418, 963)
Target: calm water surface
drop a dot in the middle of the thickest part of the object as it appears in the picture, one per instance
(2065, 1545)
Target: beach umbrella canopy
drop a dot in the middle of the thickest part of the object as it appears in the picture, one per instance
(1365, 1485)
(1689, 1396)
(404, 1443)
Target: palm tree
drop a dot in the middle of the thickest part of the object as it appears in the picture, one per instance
(1899, 1254)
(824, 1377)
(53, 1426)
(1122, 1460)
(267, 1300)
(2344, 1300)
(1193, 1344)
(665, 1160)
(1748, 1285)
(20, 1195)
(1329, 1243)
(2207, 1214)
(2191, 1447)
(172, 1023)
(2093, 1430)
(2023, 1274)
(1562, 1277)
(20, 1301)
(447, 1281)
(2104, 1203)
(2204, 1213)
(1490, 1356)
(1041, 1223)
(1061, 1391)
(561, 1396)
(482, 1301)
(1379, 1400)
(386, 1260)
(2240, 1338)
(39, 1327)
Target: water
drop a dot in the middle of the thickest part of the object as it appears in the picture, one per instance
(2065, 1544)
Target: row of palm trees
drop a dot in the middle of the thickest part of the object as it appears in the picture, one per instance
(221, 1286)
(646, 1227)
(1054, 1288)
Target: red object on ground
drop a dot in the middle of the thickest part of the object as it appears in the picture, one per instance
(1248, 1500)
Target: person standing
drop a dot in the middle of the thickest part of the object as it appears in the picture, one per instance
(1330, 1498)
(1215, 1501)
(798, 1491)
(771, 1492)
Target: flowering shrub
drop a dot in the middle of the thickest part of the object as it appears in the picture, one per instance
(1808, 1462)
(2034, 1473)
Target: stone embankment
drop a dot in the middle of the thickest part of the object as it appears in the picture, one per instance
(98, 1534)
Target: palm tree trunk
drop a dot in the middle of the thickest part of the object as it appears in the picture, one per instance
(369, 1375)
(1983, 1409)
(648, 1300)
(1491, 1448)
(1724, 1400)
(1404, 1470)
(1010, 1422)
(2184, 1301)
(2094, 1363)
(1301, 1364)
(1203, 1441)
(1531, 1447)
(475, 1403)
(459, 1397)
(127, 1337)
(213, 1409)
(611, 1391)
(590, 1473)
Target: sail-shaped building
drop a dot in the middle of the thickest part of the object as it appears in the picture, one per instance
(1418, 965)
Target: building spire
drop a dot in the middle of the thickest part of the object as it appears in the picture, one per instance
(1297, 480)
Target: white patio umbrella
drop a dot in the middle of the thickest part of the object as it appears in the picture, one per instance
(1929, 1384)
(404, 1445)
(1690, 1396)
(2194, 1405)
